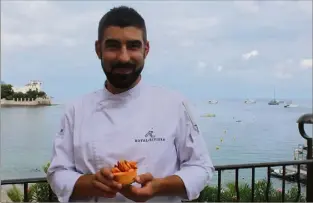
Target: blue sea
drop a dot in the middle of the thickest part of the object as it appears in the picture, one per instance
(239, 133)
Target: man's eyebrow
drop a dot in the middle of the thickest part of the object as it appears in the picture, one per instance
(130, 41)
(111, 41)
(135, 41)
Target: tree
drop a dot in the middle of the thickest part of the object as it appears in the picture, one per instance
(41, 94)
(19, 95)
(31, 94)
(6, 91)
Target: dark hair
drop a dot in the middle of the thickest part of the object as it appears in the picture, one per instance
(122, 16)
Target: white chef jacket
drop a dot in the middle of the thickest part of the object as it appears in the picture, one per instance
(147, 124)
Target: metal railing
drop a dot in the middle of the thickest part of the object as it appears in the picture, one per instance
(305, 119)
(269, 165)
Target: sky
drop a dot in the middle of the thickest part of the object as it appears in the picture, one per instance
(205, 50)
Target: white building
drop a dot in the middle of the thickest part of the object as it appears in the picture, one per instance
(32, 85)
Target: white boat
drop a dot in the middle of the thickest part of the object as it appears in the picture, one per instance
(212, 101)
(290, 105)
(278, 172)
(250, 101)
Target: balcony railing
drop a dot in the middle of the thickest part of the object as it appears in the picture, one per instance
(305, 119)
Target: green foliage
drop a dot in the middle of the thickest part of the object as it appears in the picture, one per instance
(38, 192)
(8, 93)
(15, 194)
(228, 193)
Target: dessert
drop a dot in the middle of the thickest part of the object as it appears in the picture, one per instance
(125, 171)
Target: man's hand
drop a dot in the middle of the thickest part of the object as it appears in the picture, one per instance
(104, 182)
(146, 192)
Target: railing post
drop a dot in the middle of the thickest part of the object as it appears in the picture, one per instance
(309, 172)
(307, 119)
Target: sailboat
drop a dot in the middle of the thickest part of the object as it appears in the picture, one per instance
(274, 101)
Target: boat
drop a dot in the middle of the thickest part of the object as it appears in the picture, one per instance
(290, 105)
(300, 153)
(212, 101)
(274, 101)
(249, 101)
(209, 115)
(278, 172)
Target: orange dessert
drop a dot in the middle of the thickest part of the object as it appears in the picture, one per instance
(125, 171)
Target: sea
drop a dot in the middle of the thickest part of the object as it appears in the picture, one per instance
(234, 132)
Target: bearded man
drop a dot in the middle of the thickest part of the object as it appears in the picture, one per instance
(130, 120)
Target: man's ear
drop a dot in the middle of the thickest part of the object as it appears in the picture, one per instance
(146, 49)
(98, 49)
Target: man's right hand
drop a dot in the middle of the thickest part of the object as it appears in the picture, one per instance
(104, 182)
(100, 184)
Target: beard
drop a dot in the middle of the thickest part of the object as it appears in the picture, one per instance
(122, 80)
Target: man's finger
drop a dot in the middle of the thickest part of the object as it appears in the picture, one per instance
(115, 186)
(144, 178)
(107, 191)
(107, 173)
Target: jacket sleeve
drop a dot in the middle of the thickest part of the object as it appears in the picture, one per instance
(196, 168)
(61, 174)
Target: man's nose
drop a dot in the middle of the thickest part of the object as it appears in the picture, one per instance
(124, 55)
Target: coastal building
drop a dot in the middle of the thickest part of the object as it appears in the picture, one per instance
(32, 85)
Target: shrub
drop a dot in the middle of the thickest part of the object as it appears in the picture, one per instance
(15, 194)
(39, 192)
(228, 193)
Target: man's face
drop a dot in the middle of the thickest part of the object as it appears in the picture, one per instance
(122, 53)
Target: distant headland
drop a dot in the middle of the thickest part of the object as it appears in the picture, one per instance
(28, 95)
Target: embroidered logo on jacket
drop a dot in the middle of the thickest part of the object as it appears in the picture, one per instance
(150, 137)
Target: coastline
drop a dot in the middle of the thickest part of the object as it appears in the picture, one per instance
(27, 106)
(26, 102)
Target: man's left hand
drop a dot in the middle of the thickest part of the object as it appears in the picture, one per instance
(147, 191)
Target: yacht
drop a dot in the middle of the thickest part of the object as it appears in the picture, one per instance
(250, 101)
(212, 101)
(274, 101)
(290, 105)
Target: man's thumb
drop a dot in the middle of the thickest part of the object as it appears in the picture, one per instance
(142, 179)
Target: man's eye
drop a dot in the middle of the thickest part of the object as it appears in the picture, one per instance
(134, 45)
(112, 45)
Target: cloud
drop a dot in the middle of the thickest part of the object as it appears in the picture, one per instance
(305, 6)
(250, 54)
(250, 6)
(289, 68)
(283, 74)
(42, 24)
(201, 69)
(202, 64)
(219, 68)
(187, 43)
(306, 63)
(211, 39)
(192, 24)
